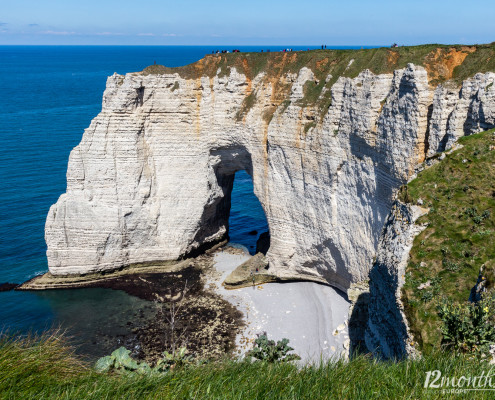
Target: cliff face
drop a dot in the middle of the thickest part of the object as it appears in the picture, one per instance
(387, 332)
(152, 176)
(456, 113)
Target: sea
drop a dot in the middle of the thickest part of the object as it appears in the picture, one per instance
(50, 95)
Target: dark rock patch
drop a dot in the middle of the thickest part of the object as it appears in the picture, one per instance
(203, 321)
(263, 243)
(5, 287)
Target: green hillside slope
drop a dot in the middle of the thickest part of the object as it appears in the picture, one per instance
(460, 237)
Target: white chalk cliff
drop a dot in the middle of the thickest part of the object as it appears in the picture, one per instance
(387, 332)
(152, 176)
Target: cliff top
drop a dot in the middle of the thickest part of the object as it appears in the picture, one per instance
(453, 63)
(443, 62)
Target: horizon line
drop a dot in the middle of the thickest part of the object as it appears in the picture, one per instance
(244, 45)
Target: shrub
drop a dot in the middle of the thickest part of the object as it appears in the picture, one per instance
(170, 361)
(427, 296)
(121, 361)
(450, 265)
(468, 327)
(268, 350)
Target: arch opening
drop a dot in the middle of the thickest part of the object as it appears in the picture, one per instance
(248, 225)
(239, 209)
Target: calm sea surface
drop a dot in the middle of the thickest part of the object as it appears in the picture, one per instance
(50, 94)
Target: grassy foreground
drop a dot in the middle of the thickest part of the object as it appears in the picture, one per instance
(45, 368)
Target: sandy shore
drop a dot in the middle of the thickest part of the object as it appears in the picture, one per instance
(312, 316)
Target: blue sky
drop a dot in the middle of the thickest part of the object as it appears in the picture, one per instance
(201, 22)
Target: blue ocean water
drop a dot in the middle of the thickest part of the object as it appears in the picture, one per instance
(50, 94)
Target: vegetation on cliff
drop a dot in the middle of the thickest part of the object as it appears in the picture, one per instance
(45, 368)
(447, 256)
(453, 63)
(443, 62)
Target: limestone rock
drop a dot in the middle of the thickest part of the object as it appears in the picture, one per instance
(387, 333)
(152, 176)
(425, 285)
(460, 112)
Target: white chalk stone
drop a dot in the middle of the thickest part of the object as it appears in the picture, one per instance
(152, 176)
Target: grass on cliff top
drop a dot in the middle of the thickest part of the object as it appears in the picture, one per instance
(44, 368)
(336, 62)
(460, 237)
(442, 62)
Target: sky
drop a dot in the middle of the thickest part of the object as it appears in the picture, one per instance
(253, 22)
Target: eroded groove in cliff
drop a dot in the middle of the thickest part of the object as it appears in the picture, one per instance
(427, 134)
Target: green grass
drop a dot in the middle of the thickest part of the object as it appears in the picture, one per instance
(248, 102)
(460, 237)
(439, 61)
(44, 368)
(175, 87)
(336, 62)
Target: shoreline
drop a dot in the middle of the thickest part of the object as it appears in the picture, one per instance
(47, 281)
(206, 324)
(313, 316)
(223, 303)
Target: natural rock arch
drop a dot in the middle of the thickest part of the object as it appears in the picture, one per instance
(225, 162)
(152, 176)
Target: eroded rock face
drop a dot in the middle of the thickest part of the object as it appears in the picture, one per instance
(152, 176)
(387, 332)
(461, 112)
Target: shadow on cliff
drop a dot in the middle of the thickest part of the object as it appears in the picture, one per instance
(377, 323)
(358, 321)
